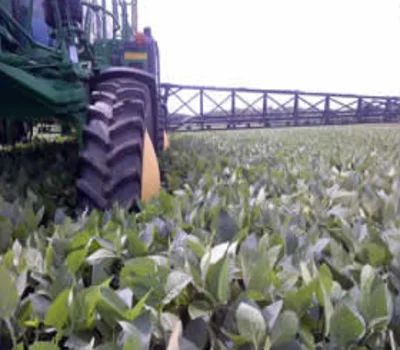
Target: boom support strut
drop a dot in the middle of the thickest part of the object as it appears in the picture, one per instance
(205, 107)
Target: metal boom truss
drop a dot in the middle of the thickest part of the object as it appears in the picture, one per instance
(205, 107)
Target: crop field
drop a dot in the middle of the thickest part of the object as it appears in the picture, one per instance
(266, 239)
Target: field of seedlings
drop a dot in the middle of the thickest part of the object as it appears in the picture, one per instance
(267, 239)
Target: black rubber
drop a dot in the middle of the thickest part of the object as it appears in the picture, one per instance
(110, 164)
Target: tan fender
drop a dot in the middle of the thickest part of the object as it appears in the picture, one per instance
(166, 141)
(151, 183)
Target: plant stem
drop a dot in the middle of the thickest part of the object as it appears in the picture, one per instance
(12, 333)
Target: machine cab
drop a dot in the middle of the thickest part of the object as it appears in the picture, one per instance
(141, 53)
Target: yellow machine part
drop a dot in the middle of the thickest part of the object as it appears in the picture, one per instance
(151, 183)
(166, 141)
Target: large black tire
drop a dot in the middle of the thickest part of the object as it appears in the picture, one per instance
(110, 166)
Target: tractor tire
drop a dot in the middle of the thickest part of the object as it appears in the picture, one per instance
(110, 164)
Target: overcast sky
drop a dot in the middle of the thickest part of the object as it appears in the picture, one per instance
(316, 45)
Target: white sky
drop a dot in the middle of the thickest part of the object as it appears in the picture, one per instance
(349, 46)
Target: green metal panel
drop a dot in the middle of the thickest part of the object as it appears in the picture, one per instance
(40, 97)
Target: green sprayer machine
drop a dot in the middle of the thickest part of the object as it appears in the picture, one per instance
(84, 64)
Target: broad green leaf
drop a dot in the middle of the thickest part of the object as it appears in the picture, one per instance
(305, 273)
(367, 276)
(134, 313)
(111, 307)
(63, 280)
(135, 245)
(373, 253)
(300, 300)
(101, 254)
(109, 346)
(41, 345)
(217, 280)
(82, 310)
(271, 313)
(8, 294)
(49, 258)
(347, 326)
(342, 277)
(137, 335)
(80, 240)
(307, 337)
(256, 264)
(6, 230)
(24, 313)
(101, 270)
(323, 291)
(325, 277)
(285, 328)
(195, 245)
(125, 294)
(75, 259)
(324, 282)
(144, 274)
(20, 346)
(250, 323)
(132, 343)
(191, 265)
(84, 341)
(238, 340)
(340, 237)
(8, 260)
(375, 302)
(213, 256)
(395, 324)
(274, 254)
(57, 314)
(176, 283)
(200, 308)
(35, 260)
